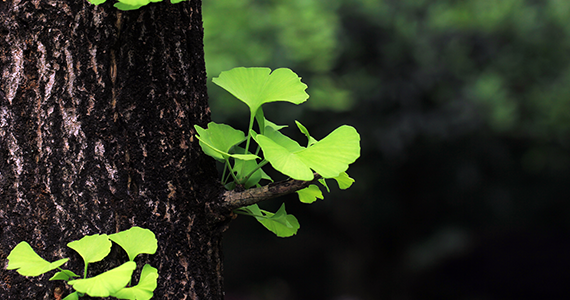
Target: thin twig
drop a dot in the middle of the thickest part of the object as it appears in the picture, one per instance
(234, 199)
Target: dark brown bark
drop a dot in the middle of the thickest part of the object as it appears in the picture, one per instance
(97, 109)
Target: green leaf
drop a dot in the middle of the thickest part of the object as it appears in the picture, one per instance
(305, 131)
(324, 183)
(344, 181)
(63, 275)
(96, 2)
(123, 6)
(280, 223)
(72, 296)
(144, 289)
(243, 168)
(28, 263)
(217, 140)
(329, 157)
(310, 194)
(136, 241)
(105, 284)
(176, 1)
(256, 86)
(92, 248)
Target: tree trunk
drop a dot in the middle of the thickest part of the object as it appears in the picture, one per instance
(97, 108)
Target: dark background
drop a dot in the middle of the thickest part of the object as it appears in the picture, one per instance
(464, 112)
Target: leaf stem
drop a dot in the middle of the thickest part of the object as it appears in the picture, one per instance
(259, 166)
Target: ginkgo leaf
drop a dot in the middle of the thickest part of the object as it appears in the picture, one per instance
(96, 2)
(105, 284)
(28, 263)
(256, 86)
(92, 248)
(144, 289)
(310, 194)
(63, 275)
(344, 181)
(135, 241)
(329, 157)
(280, 223)
(72, 296)
(305, 131)
(133, 4)
(217, 140)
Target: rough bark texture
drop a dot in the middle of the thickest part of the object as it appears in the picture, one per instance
(97, 109)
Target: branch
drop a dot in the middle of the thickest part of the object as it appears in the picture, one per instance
(233, 199)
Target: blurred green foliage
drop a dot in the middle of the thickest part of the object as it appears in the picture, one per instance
(507, 57)
(464, 111)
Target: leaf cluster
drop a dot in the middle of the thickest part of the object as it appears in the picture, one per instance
(94, 248)
(329, 157)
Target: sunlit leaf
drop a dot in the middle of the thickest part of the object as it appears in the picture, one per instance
(280, 223)
(217, 140)
(63, 275)
(329, 157)
(144, 289)
(256, 86)
(310, 194)
(72, 296)
(96, 2)
(305, 131)
(28, 263)
(92, 248)
(344, 181)
(135, 241)
(105, 284)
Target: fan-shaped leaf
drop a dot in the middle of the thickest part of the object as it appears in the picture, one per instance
(135, 241)
(280, 223)
(310, 194)
(256, 86)
(329, 157)
(92, 247)
(63, 275)
(218, 139)
(105, 284)
(144, 289)
(28, 263)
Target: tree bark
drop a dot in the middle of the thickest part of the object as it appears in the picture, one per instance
(97, 109)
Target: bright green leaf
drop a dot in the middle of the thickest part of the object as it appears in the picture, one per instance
(105, 284)
(280, 223)
(176, 1)
(283, 160)
(28, 263)
(310, 194)
(92, 248)
(123, 6)
(273, 125)
(144, 289)
(96, 2)
(324, 183)
(217, 140)
(305, 131)
(256, 86)
(136, 241)
(344, 181)
(329, 157)
(63, 275)
(243, 168)
(72, 296)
